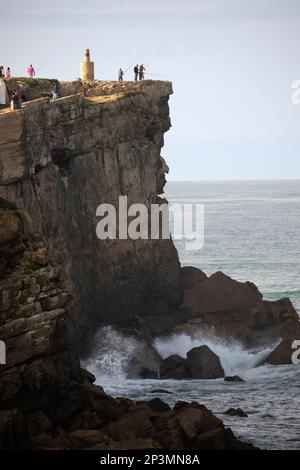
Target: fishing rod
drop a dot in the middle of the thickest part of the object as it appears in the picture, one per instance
(157, 75)
(155, 57)
(128, 68)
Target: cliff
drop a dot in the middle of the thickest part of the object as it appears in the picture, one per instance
(59, 160)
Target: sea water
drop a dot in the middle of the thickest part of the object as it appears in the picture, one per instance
(252, 232)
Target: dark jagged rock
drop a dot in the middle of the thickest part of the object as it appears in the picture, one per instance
(203, 363)
(234, 378)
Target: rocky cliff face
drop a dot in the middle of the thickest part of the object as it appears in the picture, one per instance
(49, 150)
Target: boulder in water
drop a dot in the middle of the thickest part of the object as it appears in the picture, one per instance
(161, 390)
(203, 363)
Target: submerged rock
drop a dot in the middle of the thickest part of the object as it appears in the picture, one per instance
(236, 412)
(161, 390)
(234, 378)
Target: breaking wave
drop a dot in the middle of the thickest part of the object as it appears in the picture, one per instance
(113, 354)
(110, 355)
(235, 359)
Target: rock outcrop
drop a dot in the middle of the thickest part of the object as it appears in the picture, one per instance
(223, 307)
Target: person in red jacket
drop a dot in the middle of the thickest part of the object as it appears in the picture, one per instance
(31, 71)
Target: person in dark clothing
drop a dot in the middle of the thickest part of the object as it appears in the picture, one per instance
(16, 103)
(1, 71)
(55, 91)
(141, 72)
(136, 72)
(120, 75)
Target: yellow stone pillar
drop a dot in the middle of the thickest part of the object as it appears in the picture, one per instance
(87, 67)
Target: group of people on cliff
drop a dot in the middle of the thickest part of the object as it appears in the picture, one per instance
(7, 74)
(138, 70)
(4, 74)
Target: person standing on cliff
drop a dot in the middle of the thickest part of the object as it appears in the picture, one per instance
(8, 72)
(1, 71)
(55, 91)
(15, 101)
(31, 71)
(121, 75)
(136, 72)
(141, 72)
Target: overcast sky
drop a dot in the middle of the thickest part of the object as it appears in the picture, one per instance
(232, 64)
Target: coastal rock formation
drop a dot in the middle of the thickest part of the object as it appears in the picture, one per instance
(223, 307)
(59, 160)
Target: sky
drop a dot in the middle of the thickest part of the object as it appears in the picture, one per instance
(232, 64)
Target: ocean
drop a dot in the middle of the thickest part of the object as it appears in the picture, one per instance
(252, 232)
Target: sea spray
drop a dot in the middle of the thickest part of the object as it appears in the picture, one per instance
(110, 355)
(116, 356)
(235, 359)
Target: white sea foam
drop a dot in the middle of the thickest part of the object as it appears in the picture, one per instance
(110, 355)
(235, 359)
(112, 351)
